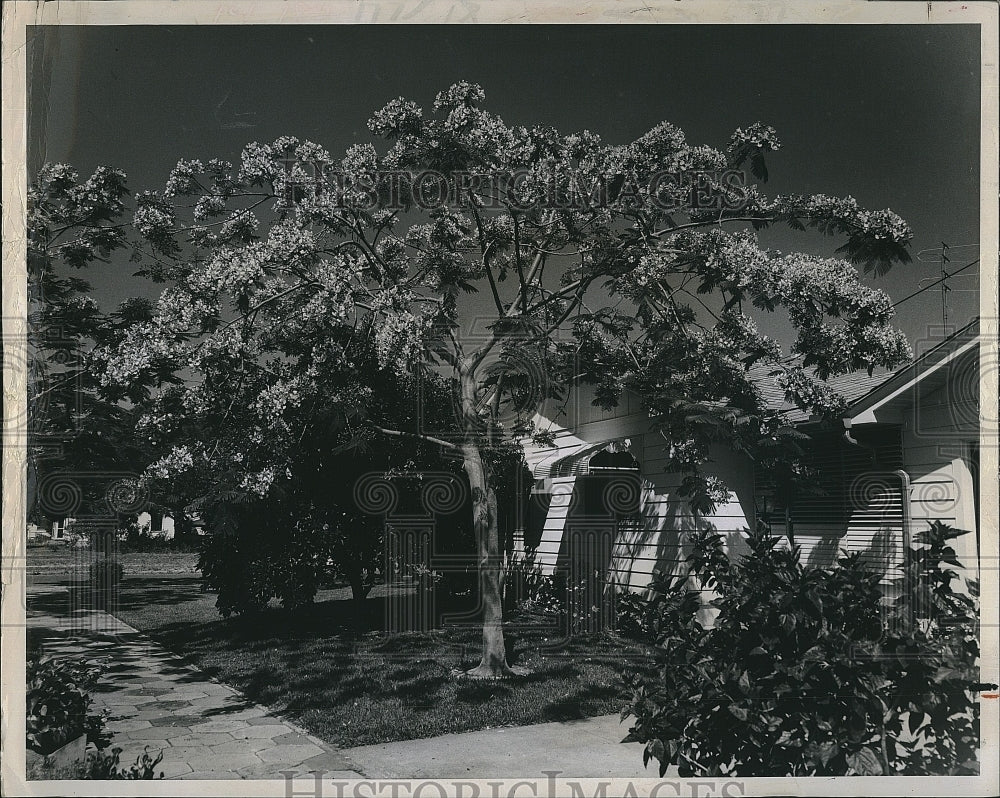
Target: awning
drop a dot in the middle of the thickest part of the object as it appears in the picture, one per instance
(578, 462)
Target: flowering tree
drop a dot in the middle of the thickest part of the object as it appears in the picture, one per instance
(629, 266)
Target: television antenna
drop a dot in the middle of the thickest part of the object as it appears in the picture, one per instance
(940, 255)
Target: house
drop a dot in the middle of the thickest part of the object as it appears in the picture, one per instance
(907, 454)
(157, 525)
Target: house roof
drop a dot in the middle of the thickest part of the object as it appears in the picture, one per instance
(858, 388)
(863, 393)
(930, 366)
(851, 386)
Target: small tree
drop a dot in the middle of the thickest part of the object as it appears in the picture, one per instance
(626, 265)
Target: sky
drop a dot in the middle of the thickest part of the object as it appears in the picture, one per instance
(887, 114)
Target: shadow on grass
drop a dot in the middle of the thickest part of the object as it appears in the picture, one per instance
(136, 592)
(339, 667)
(480, 692)
(580, 703)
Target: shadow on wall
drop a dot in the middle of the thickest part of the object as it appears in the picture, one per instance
(660, 543)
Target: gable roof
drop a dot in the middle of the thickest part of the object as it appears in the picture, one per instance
(929, 366)
(858, 388)
(851, 386)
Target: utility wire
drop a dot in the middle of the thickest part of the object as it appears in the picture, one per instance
(936, 282)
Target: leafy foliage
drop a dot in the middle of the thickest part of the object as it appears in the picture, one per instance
(58, 704)
(72, 224)
(58, 710)
(101, 764)
(105, 765)
(800, 675)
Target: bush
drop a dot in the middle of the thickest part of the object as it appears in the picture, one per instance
(256, 563)
(527, 588)
(58, 704)
(104, 580)
(105, 765)
(137, 541)
(801, 677)
(667, 613)
(578, 601)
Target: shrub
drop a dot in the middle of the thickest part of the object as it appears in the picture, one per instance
(58, 704)
(577, 600)
(535, 591)
(105, 765)
(105, 578)
(800, 677)
(267, 555)
(138, 541)
(666, 614)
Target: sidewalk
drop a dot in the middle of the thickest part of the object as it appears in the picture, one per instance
(588, 748)
(206, 730)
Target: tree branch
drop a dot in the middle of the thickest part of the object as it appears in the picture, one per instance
(523, 287)
(418, 436)
(485, 249)
(713, 223)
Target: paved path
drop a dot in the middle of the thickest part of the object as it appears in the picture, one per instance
(206, 730)
(589, 748)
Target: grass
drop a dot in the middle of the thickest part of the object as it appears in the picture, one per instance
(66, 560)
(331, 668)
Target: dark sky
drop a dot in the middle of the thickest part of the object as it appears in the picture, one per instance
(888, 114)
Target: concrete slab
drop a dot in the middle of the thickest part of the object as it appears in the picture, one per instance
(271, 730)
(214, 726)
(588, 748)
(171, 770)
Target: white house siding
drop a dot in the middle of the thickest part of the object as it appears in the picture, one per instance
(658, 542)
(939, 430)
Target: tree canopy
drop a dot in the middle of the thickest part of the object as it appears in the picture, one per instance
(474, 254)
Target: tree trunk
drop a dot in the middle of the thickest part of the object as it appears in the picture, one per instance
(487, 532)
(484, 523)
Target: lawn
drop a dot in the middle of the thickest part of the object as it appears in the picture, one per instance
(329, 667)
(73, 562)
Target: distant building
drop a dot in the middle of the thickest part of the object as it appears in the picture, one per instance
(156, 525)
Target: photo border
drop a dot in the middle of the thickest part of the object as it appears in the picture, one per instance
(18, 15)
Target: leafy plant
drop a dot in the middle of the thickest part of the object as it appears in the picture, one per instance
(58, 704)
(105, 765)
(931, 656)
(666, 614)
(800, 676)
(102, 765)
(538, 591)
(577, 600)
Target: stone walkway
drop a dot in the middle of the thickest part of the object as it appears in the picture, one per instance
(205, 730)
